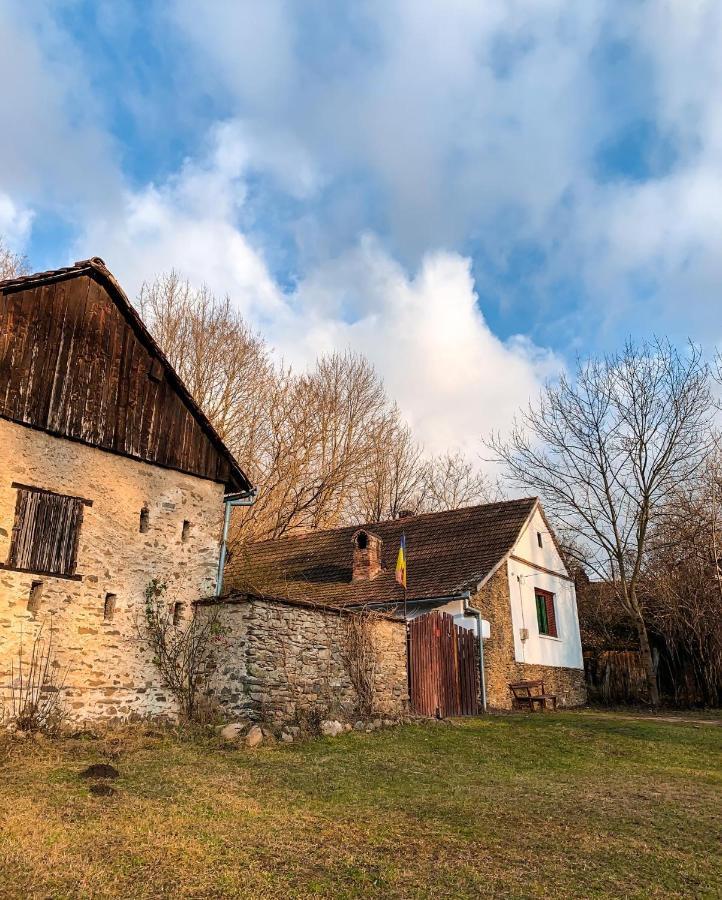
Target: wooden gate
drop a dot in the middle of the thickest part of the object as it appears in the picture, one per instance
(443, 667)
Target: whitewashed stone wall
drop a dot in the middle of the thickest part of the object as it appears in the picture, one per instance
(278, 660)
(109, 676)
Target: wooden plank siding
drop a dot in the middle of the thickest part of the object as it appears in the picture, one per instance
(46, 532)
(75, 364)
(443, 667)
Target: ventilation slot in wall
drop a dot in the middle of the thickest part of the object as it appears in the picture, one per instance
(144, 520)
(177, 613)
(109, 607)
(186, 532)
(36, 594)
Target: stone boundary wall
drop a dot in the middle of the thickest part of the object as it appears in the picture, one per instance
(277, 661)
(500, 665)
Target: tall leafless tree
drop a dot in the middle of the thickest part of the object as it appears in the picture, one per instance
(223, 363)
(606, 452)
(681, 586)
(324, 447)
(11, 264)
(451, 481)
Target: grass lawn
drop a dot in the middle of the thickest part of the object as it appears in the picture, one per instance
(557, 805)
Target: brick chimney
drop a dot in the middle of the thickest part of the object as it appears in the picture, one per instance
(366, 556)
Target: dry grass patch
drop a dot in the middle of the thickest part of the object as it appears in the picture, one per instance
(564, 805)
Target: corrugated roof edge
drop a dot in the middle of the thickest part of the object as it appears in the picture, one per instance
(96, 266)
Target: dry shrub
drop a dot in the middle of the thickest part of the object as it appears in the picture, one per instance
(183, 651)
(36, 684)
(359, 657)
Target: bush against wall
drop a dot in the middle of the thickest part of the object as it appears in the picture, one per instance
(183, 647)
(359, 659)
(36, 685)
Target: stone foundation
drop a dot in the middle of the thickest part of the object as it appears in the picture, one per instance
(280, 660)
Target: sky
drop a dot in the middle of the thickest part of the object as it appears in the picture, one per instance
(470, 193)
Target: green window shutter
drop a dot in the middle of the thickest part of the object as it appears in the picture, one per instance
(541, 614)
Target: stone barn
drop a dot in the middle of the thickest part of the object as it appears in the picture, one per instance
(110, 476)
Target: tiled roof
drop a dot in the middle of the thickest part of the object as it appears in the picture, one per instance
(448, 553)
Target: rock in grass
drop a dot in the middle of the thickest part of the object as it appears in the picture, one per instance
(100, 770)
(234, 731)
(254, 738)
(331, 728)
(286, 738)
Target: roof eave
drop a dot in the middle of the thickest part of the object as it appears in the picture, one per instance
(95, 266)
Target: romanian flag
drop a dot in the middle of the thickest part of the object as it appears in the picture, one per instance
(401, 563)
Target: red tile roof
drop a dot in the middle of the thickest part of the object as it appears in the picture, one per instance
(448, 553)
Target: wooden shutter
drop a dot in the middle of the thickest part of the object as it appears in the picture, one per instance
(551, 615)
(546, 614)
(46, 532)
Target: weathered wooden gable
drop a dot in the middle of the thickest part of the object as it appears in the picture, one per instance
(75, 361)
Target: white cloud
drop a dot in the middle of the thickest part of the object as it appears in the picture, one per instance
(483, 120)
(54, 153)
(452, 377)
(15, 223)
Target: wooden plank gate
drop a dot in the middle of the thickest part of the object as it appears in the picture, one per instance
(443, 667)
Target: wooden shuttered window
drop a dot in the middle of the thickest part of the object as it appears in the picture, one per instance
(46, 532)
(545, 613)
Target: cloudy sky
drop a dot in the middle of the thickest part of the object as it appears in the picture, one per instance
(469, 192)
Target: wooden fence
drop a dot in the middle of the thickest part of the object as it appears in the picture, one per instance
(443, 667)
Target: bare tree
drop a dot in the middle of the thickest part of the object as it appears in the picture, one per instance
(11, 264)
(224, 364)
(607, 451)
(393, 480)
(321, 439)
(452, 481)
(681, 586)
(325, 447)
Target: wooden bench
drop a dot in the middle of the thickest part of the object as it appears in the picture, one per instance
(527, 694)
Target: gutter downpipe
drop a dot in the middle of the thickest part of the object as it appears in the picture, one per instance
(243, 498)
(469, 610)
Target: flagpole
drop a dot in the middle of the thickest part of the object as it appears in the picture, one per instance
(406, 575)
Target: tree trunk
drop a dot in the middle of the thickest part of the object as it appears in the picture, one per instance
(647, 661)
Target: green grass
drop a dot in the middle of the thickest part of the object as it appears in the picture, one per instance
(556, 805)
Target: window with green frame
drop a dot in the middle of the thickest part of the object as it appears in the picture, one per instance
(545, 613)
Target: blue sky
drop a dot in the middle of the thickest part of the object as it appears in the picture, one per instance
(470, 193)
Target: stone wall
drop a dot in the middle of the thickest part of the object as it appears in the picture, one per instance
(500, 665)
(279, 660)
(108, 673)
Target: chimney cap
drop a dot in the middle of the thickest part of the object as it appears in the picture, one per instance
(406, 514)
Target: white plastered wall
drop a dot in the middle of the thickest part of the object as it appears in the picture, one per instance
(525, 568)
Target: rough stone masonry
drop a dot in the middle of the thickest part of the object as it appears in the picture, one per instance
(280, 659)
(93, 620)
